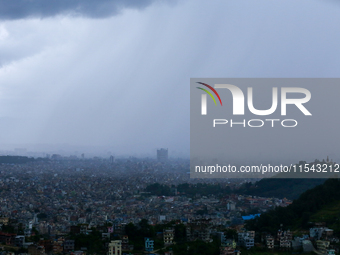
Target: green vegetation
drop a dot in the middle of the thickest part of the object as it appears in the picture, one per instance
(203, 189)
(15, 159)
(158, 189)
(329, 214)
(269, 187)
(19, 159)
(42, 216)
(93, 242)
(280, 188)
(190, 190)
(137, 233)
(8, 229)
(321, 202)
(231, 234)
(265, 251)
(196, 248)
(180, 233)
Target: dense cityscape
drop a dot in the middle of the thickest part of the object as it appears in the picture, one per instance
(166, 127)
(71, 205)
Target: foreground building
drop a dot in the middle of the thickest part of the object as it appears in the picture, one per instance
(115, 248)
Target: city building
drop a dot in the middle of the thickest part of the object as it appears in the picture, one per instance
(115, 248)
(149, 244)
(69, 245)
(227, 251)
(285, 239)
(269, 242)
(162, 154)
(246, 239)
(168, 236)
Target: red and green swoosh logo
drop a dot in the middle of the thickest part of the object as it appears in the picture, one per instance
(209, 93)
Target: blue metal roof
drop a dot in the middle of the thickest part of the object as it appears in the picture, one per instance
(250, 217)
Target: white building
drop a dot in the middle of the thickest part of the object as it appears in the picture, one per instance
(115, 248)
(246, 239)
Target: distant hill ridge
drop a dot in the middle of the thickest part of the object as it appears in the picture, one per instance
(321, 203)
(280, 188)
(15, 159)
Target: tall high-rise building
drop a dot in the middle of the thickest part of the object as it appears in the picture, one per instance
(162, 154)
(112, 159)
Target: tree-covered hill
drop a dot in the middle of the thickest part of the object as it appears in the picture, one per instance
(312, 205)
(279, 187)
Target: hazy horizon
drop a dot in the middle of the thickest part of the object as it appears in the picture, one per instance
(114, 76)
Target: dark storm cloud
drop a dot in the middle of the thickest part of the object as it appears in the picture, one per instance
(20, 9)
(122, 83)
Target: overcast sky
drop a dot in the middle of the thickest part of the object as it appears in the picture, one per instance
(114, 75)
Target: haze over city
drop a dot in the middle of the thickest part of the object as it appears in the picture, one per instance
(114, 140)
(112, 77)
